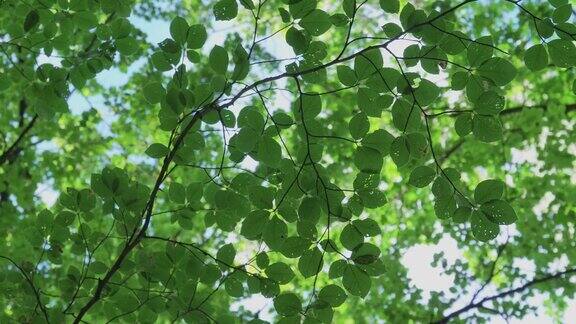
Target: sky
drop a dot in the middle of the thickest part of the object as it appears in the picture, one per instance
(417, 259)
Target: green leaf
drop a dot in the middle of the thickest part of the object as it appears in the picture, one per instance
(157, 150)
(179, 30)
(253, 224)
(489, 103)
(483, 229)
(498, 70)
(196, 36)
(275, 233)
(422, 176)
(480, 50)
(269, 152)
(392, 30)
(310, 263)
(425, 94)
(317, 22)
(333, 295)
(365, 253)
(32, 19)
(367, 227)
(487, 128)
(463, 124)
(351, 237)
(280, 272)
(488, 190)
(368, 63)
(177, 192)
(359, 125)
(127, 46)
(154, 92)
(225, 9)
(218, 60)
(287, 304)
(226, 254)
(390, 6)
(356, 281)
(562, 13)
(562, 53)
(368, 160)
(262, 260)
(536, 57)
(499, 212)
(346, 75)
(399, 151)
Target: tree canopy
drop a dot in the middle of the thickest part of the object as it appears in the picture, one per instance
(287, 150)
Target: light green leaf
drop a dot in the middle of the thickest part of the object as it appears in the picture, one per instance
(157, 150)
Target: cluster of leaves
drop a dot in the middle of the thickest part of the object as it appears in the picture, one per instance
(236, 192)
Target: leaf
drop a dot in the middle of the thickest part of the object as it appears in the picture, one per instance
(463, 124)
(218, 60)
(422, 176)
(365, 253)
(367, 63)
(498, 70)
(177, 192)
(368, 160)
(536, 57)
(488, 190)
(32, 19)
(399, 151)
(359, 125)
(280, 272)
(390, 6)
(346, 75)
(253, 224)
(480, 50)
(310, 263)
(226, 254)
(356, 281)
(367, 227)
(392, 30)
(287, 304)
(269, 152)
(489, 103)
(499, 212)
(225, 9)
(483, 229)
(154, 92)
(562, 53)
(157, 150)
(487, 128)
(196, 36)
(351, 237)
(179, 30)
(275, 233)
(333, 295)
(316, 22)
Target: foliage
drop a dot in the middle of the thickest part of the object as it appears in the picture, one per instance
(221, 169)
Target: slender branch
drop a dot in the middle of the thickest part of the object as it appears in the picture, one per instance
(503, 294)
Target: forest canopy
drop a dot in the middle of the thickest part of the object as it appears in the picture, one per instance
(168, 161)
